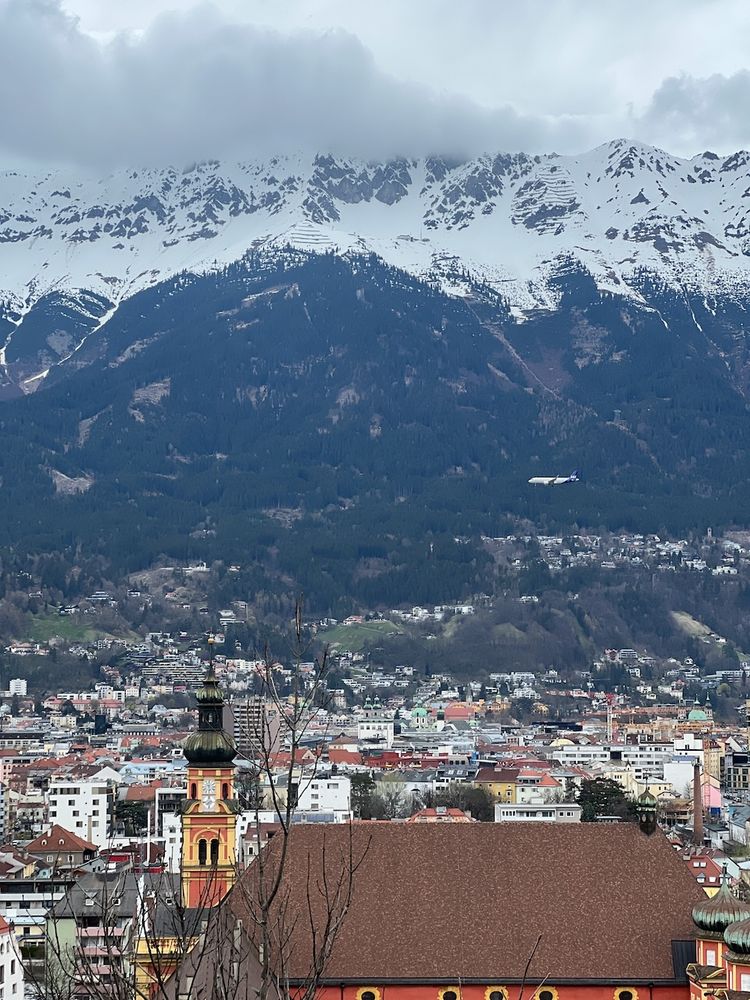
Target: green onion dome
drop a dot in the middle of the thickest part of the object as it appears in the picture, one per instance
(209, 745)
(719, 912)
(209, 749)
(737, 936)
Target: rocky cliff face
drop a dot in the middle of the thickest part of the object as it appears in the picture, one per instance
(73, 248)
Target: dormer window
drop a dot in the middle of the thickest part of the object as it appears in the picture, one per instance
(368, 993)
(625, 994)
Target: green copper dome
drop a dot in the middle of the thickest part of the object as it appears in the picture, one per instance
(737, 936)
(210, 745)
(715, 915)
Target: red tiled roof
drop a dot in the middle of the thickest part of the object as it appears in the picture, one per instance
(142, 793)
(338, 756)
(607, 901)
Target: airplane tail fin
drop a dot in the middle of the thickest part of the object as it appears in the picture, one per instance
(575, 474)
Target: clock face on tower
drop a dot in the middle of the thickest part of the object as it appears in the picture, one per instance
(209, 794)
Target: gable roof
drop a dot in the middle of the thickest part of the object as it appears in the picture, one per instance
(58, 840)
(607, 900)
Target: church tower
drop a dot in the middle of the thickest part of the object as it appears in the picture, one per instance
(209, 820)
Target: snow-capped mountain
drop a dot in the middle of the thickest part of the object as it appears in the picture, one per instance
(76, 247)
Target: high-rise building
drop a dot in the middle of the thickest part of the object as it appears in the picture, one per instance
(254, 725)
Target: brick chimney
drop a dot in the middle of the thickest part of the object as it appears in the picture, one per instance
(697, 805)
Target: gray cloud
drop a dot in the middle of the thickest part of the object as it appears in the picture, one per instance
(196, 85)
(244, 78)
(700, 113)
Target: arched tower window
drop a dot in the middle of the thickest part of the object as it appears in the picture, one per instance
(193, 791)
(201, 852)
(225, 790)
(214, 852)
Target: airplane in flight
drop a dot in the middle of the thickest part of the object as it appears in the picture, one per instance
(574, 477)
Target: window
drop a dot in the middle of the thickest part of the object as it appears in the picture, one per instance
(368, 993)
(225, 790)
(495, 993)
(710, 956)
(744, 981)
(549, 993)
(447, 995)
(193, 791)
(214, 852)
(202, 852)
(626, 994)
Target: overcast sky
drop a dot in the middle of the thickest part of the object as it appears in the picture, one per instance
(108, 82)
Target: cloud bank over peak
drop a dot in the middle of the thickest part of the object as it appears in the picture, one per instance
(200, 83)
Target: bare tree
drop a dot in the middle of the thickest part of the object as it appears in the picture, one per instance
(265, 897)
(150, 946)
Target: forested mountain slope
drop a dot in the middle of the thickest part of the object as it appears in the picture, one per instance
(338, 426)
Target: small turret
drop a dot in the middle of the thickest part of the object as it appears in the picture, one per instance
(646, 805)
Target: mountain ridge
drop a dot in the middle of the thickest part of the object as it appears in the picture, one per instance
(624, 212)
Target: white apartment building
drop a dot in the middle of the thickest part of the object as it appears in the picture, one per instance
(332, 794)
(172, 833)
(679, 773)
(689, 746)
(83, 807)
(538, 812)
(19, 686)
(646, 760)
(11, 969)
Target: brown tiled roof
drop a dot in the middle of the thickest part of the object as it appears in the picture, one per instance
(58, 840)
(497, 774)
(468, 901)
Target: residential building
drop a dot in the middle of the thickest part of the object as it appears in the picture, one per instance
(83, 807)
(539, 812)
(11, 967)
(248, 721)
(61, 849)
(330, 794)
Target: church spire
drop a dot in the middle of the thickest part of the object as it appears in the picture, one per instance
(209, 819)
